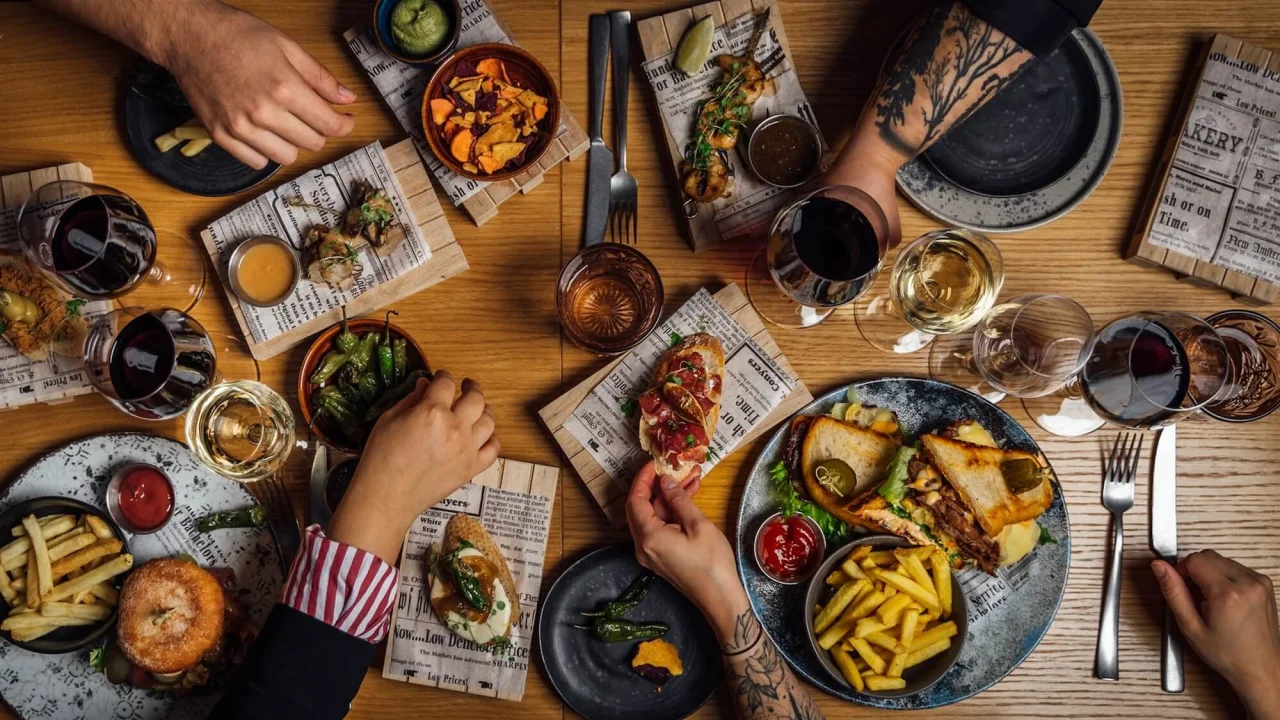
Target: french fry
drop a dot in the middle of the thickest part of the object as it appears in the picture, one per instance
(105, 593)
(32, 634)
(56, 552)
(849, 619)
(850, 567)
(897, 665)
(847, 668)
(19, 609)
(915, 570)
(838, 603)
(937, 633)
(892, 609)
(876, 683)
(837, 578)
(868, 625)
(27, 621)
(6, 590)
(910, 621)
(191, 131)
(888, 591)
(33, 582)
(21, 531)
(19, 586)
(942, 581)
(918, 656)
(99, 527)
(924, 553)
(62, 609)
(886, 641)
(18, 548)
(860, 553)
(908, 586)
(76, 560)
(195, 147)
(106, 571)
(869, 565)
(874, 661)
(882, 557)
(166, 142)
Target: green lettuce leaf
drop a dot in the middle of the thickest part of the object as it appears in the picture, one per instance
(789, 503)
(894, 489)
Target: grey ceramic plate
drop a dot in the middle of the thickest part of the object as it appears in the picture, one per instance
(949, 202)
(1002, 632)
(65, 686)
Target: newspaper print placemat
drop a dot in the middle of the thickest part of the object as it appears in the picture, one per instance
(513, 500)
(272, 214)
(606, 421)
(402, 86)
(747, 212)
(1221, 203)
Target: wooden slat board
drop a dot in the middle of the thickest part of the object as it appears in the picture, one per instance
(446, 259)
(610, 495)
(659, 36)
(1243, 287)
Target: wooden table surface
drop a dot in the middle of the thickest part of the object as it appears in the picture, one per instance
(497, 322)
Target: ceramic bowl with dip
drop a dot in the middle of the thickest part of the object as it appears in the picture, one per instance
(789, 549)
(785, 151)
(264, 270)
(417, 34)
(140, 498)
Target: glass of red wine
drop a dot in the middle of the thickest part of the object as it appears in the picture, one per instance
(1147, 371)
(98, 243)
(823, 251)
(152, 364)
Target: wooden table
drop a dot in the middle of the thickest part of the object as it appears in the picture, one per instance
(497, 322)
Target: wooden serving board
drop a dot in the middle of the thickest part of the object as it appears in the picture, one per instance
(610, 495)
(1160, 205)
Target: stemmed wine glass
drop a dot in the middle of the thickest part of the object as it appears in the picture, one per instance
(942, 283)
(97, 243)
(1027, 347)
(823, 251)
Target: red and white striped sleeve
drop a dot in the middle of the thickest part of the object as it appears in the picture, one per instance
(343, 586)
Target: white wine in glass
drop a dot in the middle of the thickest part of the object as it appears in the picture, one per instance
(243, 430)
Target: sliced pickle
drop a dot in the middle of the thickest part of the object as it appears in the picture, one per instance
(1023, 474)
(836, 476)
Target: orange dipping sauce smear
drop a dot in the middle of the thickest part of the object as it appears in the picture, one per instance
(266, 273)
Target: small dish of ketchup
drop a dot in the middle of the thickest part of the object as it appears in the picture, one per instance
(140, 498)
(789, 549)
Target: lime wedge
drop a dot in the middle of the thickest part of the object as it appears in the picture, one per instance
(695, 46)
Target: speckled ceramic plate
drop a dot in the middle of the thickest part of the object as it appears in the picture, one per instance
(1002, 632)
(64, 686)
(1004, 198)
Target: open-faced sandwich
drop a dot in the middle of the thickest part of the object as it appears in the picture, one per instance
(955, 489)
(34, 313)
(471, 586)
(679, 411)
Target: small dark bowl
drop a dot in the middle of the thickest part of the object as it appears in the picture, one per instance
(382, 10)
(524, 70)
(820, 551)
(68, 639)
(323, 344)
(920, 677)
(336, 484)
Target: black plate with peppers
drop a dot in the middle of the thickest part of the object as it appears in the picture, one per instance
(354, 372)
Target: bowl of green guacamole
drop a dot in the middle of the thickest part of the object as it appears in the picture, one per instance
(417, 32)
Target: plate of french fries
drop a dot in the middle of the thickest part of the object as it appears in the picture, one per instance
(886, 618)
(61, 565)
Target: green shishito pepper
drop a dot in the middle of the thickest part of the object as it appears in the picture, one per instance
(330, 364)
(393, 396)
(253, 517)
(369, 387)
(363, 354)
(612, 631)
(331, 402)
(346, 341)
(400, 358)
(629, 598)
(386, 361)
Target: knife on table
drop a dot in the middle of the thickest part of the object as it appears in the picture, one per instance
(1164, 541)
(317, 513)
(599, 158)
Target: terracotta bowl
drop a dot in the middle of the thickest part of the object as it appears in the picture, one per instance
(524, 70)
(323, 344)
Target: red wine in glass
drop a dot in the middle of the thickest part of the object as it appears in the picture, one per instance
(102, 246)
(151, 364)
(824, 250)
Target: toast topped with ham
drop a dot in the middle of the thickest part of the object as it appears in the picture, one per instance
(679, 411)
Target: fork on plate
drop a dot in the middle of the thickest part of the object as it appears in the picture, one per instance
(270, 491)
(1117, 497)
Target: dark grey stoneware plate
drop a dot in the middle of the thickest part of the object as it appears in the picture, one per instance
(992, 194)
(595, 678)
(1000, 636)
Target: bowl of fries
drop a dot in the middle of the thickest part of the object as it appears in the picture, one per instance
(61, 565)
(886, 618)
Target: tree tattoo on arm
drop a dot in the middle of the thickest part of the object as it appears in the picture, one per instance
(761, 684)
(950, 63)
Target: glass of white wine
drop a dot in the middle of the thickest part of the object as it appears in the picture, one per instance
(242, 430)
(942, 283)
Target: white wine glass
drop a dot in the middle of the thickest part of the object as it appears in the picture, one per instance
(942, 283)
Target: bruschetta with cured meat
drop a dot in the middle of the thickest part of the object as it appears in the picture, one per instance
(678, 412)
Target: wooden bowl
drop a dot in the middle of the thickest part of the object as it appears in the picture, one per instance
(524, 70)
(382, 10)
(323, 344)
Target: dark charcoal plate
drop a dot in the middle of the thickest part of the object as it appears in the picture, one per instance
(595, 678)
(67, 639)
(152, 107)
(1001, 634)
(1030, 134)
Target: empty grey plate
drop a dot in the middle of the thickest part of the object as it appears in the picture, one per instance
(1031, 155)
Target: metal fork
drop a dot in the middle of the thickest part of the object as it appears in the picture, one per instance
(1117, 496)
(284, 522)
(623, 223)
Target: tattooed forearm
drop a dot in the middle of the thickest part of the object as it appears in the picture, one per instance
(950, 63)
(760, 682)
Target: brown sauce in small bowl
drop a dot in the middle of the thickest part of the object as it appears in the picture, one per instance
(784, 152)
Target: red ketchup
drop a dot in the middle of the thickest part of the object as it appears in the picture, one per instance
(146, 497)
(788, 547)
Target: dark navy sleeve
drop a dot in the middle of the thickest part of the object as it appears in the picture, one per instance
(1037, 25)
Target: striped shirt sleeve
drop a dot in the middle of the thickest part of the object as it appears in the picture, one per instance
(343, 586)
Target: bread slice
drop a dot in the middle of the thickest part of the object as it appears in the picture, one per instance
(712, 351)
(867, 452)
(466, 527)
(974, 471)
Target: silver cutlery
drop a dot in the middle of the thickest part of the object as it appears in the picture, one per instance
(623, 224)
(284, 523)
(599, 159)
(1164, 542)
(318, 512)
(1117, 497)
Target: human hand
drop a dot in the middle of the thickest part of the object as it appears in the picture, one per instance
(1233, 628)
(675, 540)
(864, 168)
(420, 451)
(259, 94)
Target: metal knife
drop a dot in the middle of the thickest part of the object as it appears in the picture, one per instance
(599, 158)
(317, 512)
(1164, 542)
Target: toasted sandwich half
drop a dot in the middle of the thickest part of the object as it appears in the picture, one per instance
(815, 440)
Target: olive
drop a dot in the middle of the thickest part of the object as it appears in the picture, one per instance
(836, 476)
(1022, 474)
